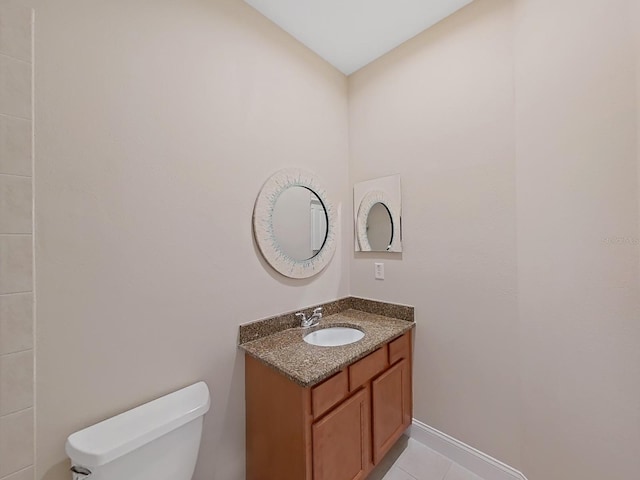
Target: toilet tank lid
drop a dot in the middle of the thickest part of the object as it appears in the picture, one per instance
(105, 441)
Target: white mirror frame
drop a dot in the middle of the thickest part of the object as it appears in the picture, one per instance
(367, 203)
(366, 194)
(263, 224)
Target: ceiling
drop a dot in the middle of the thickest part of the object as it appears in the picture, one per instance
(349, 34)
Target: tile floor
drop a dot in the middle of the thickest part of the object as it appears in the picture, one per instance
(410, 460)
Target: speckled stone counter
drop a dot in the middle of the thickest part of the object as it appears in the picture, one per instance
(306, 364)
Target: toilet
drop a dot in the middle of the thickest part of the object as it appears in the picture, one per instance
(155, 441)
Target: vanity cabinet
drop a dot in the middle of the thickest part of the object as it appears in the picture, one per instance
(338, 429)
(392, 401)
(340, 440)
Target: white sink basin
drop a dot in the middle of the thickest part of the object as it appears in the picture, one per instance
(334, 336)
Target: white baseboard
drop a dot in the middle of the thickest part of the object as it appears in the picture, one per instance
(468, 457)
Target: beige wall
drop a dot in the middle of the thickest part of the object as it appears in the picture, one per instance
(16, 244)
(636, 15)
(439, 111)
(157, 123)
(514, 126)
(577, 183)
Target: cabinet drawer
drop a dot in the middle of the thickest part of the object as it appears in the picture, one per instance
(329, 393)
(400, 348)
(367, 368)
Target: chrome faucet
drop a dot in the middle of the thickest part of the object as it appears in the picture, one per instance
(312, 321)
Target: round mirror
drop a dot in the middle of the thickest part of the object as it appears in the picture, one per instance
(299, 223)
(379, 228)
(294, 224)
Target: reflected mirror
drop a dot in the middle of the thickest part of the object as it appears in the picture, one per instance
(294, 224)
(379, 228)
(299, 223)
(377, 212)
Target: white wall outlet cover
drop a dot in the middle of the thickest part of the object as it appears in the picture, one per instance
(379, 271)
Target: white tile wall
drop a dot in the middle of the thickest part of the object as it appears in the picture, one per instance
(15, 31)
(24, 474)
(15, 145)
(16, 442)
(16, 245)
(16, 382)
(16, 263)
(15, 87)
(16, 322)
(15, 204)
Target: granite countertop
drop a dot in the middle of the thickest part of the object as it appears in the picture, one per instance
(306, 364)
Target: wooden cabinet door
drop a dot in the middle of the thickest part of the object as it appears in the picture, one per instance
(342, 440)
(391, 403)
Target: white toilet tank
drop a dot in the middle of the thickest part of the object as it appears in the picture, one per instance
(155, 441)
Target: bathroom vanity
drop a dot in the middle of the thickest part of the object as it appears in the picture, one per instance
(327, 413)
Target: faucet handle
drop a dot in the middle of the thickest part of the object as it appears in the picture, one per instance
(318, 312)
(302, 316)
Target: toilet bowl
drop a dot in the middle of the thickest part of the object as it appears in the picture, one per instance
(155, 441)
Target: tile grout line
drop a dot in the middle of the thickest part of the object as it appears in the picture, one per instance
(448, 470)
(5, 354)
(444, 476)
(415, 478)
(15, 175)
(8, 414)
(32, 129)
(18, 471)
(19, 117)
(400, 468)
(16, 412)
(6, 55)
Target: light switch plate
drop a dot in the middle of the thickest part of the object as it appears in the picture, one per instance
(379, 271)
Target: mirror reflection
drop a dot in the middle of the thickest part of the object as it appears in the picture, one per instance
(379, 228)
(299, 223)
(377, 211)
